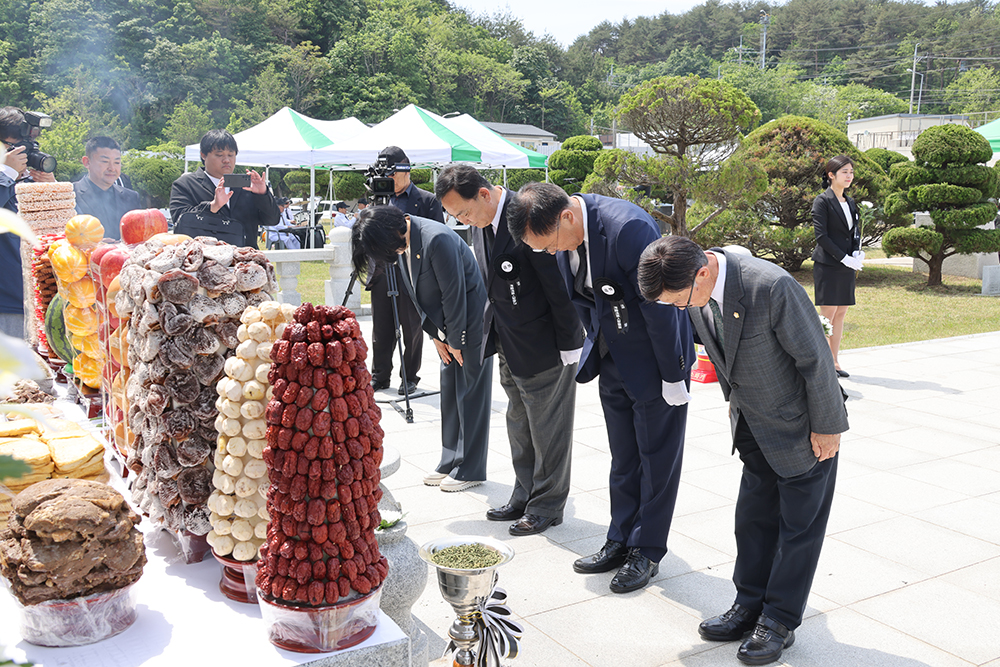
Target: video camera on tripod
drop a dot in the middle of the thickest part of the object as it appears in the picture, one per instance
(379, 182)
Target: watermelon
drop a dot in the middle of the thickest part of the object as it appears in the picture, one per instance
(55, 330)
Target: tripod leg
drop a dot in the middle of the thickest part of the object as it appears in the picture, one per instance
(390, 275)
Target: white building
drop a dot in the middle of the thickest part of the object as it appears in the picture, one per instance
(528, 136)
(895, 132)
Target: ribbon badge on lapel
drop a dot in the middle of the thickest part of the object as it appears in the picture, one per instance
(508, 268)
(612, 292)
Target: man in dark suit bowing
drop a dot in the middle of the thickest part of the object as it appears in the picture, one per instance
(411, 200)
(534, 329)
(787, 413)
(204, 193)
(442, 278)
(98, 192)
(642, 353)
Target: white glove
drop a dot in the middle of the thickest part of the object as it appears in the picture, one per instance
(675, 393)
(569, 357)
(852, 262)
(859, 254)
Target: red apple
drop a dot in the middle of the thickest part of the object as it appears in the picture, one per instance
(95, 257)
(111, 264)
(139, 226)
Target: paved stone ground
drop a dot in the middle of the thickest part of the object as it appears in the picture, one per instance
(910, 572)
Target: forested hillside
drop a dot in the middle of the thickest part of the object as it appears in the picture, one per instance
(151, 71)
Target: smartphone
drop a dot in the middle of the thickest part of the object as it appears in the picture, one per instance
(234, 181)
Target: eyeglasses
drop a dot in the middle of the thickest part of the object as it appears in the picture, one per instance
(690, 292)
(552, 248)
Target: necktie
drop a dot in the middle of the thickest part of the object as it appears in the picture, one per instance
(717, 318)
(579, 281)
(490, 238)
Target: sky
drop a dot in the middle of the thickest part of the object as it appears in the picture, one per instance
(568, 19)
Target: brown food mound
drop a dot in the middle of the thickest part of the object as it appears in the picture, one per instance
(69, 538)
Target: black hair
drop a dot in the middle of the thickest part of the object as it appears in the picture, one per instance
(217, 140)
(464, 179)
(94, 143)
(377, 236)
(669, 264)
(536, 208)
(10, 122)
(834, 165)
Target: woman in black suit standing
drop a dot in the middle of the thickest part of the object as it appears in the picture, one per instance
(838, 249)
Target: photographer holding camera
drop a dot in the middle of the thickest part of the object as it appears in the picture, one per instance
(23, 162)
(204, 203)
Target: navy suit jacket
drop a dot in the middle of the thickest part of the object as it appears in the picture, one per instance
(543, 323)
(658, 346)
(447, 288)
(11, 290)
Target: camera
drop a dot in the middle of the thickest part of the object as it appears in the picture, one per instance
(32, 126)
(379, 183)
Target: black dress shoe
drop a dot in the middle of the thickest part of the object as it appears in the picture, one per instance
(530, 524)
(765, 643)
(505, 513)
(842, 373)
(408, 388)
(732, 625)
(634, 574)
(611, 556)
(379, 385)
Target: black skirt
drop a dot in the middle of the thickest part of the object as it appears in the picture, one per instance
(834, 284)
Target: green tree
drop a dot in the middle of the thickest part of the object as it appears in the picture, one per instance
(305, 66)
(792, 151)
(975, 91)
(268, 94)
(574, 162)
(693, 125)
(948, 179)
(187, 123)
(154, 170)
(857, 101)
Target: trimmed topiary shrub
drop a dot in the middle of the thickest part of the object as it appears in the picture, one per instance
(947, 181)
(518, 177)
(583, 142)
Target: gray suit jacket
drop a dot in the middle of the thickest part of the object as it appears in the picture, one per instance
(447, 287)
(778, 371)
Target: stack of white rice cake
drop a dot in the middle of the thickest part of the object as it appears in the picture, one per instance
(46, 207)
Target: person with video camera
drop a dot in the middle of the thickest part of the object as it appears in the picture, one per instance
(98, 192)
(411, 200)
(22, 162)
(211, 202)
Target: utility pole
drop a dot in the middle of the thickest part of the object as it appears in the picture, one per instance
(913, 76)
(741, 49)
(765, 19)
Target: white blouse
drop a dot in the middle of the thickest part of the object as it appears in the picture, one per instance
(847, 214)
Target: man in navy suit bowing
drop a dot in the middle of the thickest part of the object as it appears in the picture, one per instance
(641, 351)
(535, 331)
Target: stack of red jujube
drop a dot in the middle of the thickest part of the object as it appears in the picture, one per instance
(324, 447)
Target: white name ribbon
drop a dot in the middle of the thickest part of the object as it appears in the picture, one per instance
(612, 292)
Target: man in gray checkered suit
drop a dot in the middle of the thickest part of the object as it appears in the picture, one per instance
(787, 412)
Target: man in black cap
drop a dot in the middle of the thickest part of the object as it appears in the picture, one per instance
(413, 201)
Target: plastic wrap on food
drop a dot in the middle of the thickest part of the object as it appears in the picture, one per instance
(321, 629)
(79, 621)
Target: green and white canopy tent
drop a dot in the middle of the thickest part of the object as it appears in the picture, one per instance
(288, 139)
(434, 141)
(992, 133)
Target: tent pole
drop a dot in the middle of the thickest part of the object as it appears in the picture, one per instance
(505, 175)
(546, 173)
(312, 205)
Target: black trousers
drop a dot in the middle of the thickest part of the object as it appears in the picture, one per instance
(780, 526)
(647, 447)
(384, 334)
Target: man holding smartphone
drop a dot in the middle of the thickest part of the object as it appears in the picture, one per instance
(213, 201)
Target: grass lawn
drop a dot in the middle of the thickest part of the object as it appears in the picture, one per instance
(894, 305)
